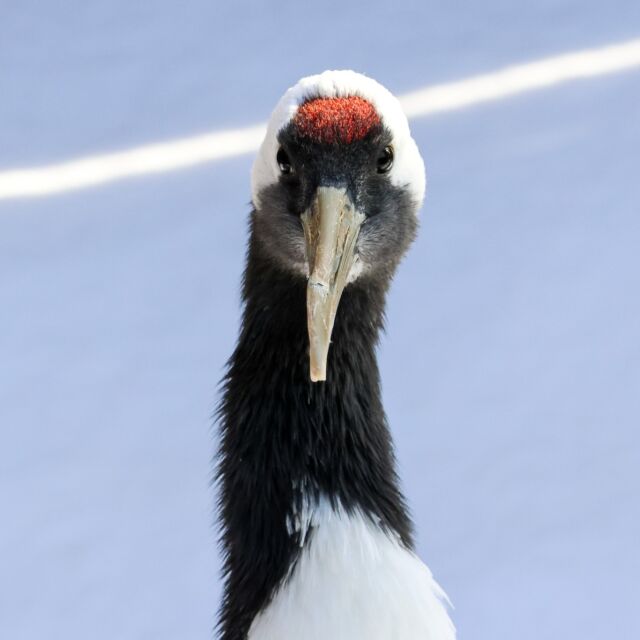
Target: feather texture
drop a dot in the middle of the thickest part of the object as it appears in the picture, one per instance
(355, 581)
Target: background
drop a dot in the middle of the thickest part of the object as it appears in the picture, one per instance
(511, 365)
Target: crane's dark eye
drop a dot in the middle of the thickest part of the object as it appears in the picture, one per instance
(385, 160)
(283, 161)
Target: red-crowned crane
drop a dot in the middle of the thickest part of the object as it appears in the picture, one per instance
(316, 536)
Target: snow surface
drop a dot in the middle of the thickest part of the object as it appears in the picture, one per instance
(511, 367)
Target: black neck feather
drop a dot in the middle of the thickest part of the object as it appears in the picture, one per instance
(283, 435)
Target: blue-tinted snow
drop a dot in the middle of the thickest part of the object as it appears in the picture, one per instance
(511, 367)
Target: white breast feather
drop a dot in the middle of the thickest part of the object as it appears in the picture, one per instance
(354, 582)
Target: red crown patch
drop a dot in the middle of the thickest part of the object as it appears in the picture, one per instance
(330, 120)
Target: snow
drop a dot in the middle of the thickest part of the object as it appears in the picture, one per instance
(516, 417)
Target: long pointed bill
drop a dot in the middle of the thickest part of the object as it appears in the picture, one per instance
(331, 227)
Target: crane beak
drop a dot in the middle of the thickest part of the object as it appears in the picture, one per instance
(331, 226)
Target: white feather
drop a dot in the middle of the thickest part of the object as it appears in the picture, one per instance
(354, 582)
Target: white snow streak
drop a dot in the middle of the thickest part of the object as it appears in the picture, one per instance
(188, 152)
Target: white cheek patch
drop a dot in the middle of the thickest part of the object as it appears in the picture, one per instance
(408, 167)
(356, 269)
(354, 581)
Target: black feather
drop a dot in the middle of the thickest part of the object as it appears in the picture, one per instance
(281, 434)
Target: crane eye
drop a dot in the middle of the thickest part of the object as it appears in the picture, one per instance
(385, 160)
(283, 161)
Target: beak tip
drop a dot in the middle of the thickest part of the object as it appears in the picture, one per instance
(318, 369)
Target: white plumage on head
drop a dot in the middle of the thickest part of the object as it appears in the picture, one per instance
(408, 170)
